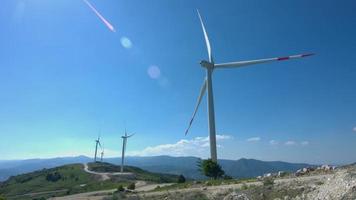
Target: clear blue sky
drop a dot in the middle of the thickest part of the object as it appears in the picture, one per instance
(64, 76)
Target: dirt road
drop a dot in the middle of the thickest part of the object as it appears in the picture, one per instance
(106, 175)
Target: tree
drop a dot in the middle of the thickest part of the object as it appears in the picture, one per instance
(181, 179)
(211, 169)
(131, 186)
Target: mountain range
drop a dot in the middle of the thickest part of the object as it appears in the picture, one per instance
(242, 168)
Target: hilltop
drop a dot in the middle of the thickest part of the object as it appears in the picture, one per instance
(72, 179)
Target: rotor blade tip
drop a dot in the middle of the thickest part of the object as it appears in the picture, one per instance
(308, 54)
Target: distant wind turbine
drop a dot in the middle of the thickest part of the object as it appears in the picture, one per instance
(208, 85)
(97, 142)
(102, 154)
(124, 141)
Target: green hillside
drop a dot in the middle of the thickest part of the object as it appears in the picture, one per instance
(71, 179)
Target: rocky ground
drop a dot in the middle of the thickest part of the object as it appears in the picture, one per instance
(339, 184)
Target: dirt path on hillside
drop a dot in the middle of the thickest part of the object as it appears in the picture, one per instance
(105, 175)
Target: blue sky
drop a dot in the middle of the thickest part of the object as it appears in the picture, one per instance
(64, 77)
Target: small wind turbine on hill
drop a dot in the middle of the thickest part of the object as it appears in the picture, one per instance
(124, 141)
(102, 154)
(97, 142)
(210, 66)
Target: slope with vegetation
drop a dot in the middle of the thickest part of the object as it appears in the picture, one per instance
(72, 179)
(139, 173)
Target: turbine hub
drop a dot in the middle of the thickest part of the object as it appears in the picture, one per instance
(206, 64)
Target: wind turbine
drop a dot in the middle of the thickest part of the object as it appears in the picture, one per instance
(210, 66)
(97, 142)
(124, 141)
(102, 154)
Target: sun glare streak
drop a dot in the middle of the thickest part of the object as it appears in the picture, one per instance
(107, 24)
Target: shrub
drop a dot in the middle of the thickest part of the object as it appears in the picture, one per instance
(208, 183)
(53, 177)
(319, 183)
(268, 181)
(131, 186)
(211, 169)
(244, 186)
(23, 179)
(2, 198)
(227, 177)
(181, 179)
(120, 188)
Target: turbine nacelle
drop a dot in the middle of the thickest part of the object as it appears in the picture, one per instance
(207, 64)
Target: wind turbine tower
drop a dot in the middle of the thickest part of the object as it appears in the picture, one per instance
(102, 154)
(124, 141)
(210, 66)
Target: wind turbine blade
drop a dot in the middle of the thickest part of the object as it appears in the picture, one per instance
(208, 46)
(202, 92)
(130, 135)
(107, 24)
(259, 61)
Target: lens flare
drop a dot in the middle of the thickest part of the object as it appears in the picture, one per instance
(154, 72)
(126, 42)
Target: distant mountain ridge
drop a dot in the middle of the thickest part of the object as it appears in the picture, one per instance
(242, 168)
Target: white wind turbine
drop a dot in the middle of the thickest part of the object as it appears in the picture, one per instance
(208, 85)
(97, 142)
(124, 141)
(102, 154)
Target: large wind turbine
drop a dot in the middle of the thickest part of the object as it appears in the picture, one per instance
(124, 141)
(97, 142)
(208, 85)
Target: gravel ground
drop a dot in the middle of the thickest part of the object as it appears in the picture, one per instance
(338, 185)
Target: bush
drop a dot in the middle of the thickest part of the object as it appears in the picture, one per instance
(227, 177)
(120, 188)
(211, 169)
(244, 186)
(268, 181)
(208, 183)
(181, 179)
(2, 198)
(53, 177)
(23, 179)
(131, 186)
